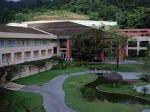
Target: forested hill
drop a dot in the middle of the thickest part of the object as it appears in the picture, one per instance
(128, 13)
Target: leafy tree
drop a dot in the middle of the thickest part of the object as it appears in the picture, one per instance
(119, 41)
(88, 45)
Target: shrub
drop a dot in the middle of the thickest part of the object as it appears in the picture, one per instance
(59, 66)
(89, 93)
(145, 77)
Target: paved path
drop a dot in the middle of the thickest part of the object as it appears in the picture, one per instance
(126, 61)
(139, 88)
(53, 94)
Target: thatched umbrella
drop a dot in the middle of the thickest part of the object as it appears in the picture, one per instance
(114, 77)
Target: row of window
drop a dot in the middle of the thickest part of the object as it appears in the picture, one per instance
(135, 53)
(27, 54)
(17, 43)
(134, 43)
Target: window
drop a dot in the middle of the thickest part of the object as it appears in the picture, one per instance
(6, 57)
(144, 43)
(35, 54)
(132, 53)
(143, 53)
(18, 56)
(49, 52)
(27, 54)
(55, 50)
(132, 43)
(43, 52)
(1, 43)
(11, 43)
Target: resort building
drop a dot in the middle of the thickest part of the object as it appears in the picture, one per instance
(139, 40)
(31, 41)
(19, 45)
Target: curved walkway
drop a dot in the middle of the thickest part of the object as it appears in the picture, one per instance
(53, 93)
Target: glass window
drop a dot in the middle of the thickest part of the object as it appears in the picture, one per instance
(132, 43)
(132, 53)
(144, 43)
(1, 43)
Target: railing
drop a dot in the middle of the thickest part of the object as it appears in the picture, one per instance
(5, 46)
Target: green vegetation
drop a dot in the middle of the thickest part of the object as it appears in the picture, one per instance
(128, 13)
(44, 77)
(131, 13)
(48, 75)
(45, 14)
(75, 100)
(126, 67)
(11, 101)
(124, 88)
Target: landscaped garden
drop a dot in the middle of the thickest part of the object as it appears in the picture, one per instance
(17, 101)
(75, 99)
(124, 88)
(11, 101)
(46, 76)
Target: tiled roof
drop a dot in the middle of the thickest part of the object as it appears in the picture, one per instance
(14, 29)
(62, 28)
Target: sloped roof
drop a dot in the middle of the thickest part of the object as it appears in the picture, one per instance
(62, 28)
(14, 29)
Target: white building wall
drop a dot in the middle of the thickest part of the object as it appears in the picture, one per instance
(138, 39)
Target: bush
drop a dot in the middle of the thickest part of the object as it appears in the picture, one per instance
(89, 93)
(145, 77)
(59, 66)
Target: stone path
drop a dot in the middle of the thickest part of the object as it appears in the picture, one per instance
(53, 94)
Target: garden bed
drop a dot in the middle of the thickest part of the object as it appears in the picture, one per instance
(116, 97)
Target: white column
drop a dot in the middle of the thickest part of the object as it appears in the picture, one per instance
(138, 47)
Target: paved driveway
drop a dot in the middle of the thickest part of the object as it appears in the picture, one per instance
(53, 94)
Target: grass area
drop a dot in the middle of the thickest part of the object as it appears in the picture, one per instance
(74, 99)
(44, 77)
(20, 102)
(127, 67)
(47, 14)
(124, 88)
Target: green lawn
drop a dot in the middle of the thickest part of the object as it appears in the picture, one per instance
(20, 102)
(44, 77)
(74, 99)
(122, 88)
(48, 75)
(127, 67)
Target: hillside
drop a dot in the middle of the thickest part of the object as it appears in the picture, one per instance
(42, 14)
(128, 13)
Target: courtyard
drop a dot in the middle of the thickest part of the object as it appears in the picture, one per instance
(50, 85)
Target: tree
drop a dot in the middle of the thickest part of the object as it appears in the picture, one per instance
(88, 45)
(144, 90)
(119, 41)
